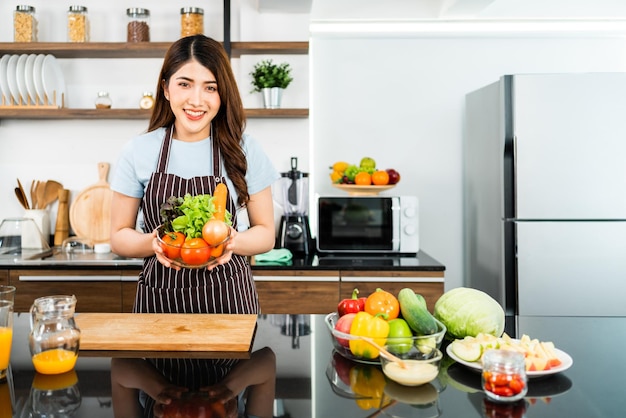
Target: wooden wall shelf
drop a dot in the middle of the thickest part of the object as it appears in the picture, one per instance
(140, 49)
(69, 113)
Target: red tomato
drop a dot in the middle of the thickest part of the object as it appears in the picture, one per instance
(174, 241)
(215, 232)
(195, 251)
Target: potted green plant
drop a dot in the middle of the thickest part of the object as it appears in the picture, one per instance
(270, 79)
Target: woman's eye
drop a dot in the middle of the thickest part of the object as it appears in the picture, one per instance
(183, 84)
(212, 88)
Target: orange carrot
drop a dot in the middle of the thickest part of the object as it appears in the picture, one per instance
(219, 200)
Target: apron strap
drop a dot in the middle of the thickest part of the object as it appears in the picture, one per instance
(217, 167)
(164, 154)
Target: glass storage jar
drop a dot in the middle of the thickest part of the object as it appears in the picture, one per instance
(103, 101)
(504, 375)
(77, 24)
(191, 21)
(24, 24)
(147, 101)
(138, 29)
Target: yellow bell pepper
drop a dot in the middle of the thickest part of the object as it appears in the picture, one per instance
(369, 383)
(367, 325)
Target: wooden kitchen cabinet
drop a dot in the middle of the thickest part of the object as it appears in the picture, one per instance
(96, 291)
(428, 284)
(4, 277)
(129, 288)
(293, 292)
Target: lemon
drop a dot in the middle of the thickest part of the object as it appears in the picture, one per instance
(340, 166)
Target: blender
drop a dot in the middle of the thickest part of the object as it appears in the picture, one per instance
(294, 232)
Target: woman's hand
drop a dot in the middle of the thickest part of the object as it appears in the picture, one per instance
(229, 249)
(165, 397)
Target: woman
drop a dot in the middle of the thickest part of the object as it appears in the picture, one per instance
(194, 141)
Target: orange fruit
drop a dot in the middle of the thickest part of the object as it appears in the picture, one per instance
(363, 179)
(380, 178)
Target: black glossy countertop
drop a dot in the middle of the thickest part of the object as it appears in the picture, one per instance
(309, 385)
(361, 262)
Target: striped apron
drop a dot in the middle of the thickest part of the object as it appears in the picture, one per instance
(228, 288)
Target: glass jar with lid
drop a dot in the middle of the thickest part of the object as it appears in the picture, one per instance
(147, 101)
(504, 375)
(191, 21)
(138, 28)
(24, 24)
(77, 24)
(103, 101)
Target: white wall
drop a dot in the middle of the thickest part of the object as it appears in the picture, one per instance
(398, 96)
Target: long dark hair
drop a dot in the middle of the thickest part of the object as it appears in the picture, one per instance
(230, 121)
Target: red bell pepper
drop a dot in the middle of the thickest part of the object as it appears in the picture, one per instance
(352, 305)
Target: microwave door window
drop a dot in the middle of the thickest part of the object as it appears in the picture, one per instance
(360, 224)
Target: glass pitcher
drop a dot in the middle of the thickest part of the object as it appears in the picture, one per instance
(54, 337)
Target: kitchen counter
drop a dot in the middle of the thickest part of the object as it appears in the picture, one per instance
(308, 385)
(107, 282)
(363, 262)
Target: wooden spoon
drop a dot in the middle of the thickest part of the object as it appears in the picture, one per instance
(51, 193)
(23, 199)
(384, 352)
(33, 193)
(41, 192)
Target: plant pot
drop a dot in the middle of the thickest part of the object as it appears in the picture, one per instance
(272, 97)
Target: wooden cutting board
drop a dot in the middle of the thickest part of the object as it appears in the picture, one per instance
(207, 335)
(90, 213)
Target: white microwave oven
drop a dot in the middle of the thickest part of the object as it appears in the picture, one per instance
(367, 224)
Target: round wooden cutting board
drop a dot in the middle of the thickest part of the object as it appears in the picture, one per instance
(90, 213)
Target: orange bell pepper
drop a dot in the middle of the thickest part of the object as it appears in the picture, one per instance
(382, 301)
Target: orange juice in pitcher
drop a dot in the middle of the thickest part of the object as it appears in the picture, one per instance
(54, 337)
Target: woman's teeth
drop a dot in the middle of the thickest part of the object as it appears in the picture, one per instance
(192, 113)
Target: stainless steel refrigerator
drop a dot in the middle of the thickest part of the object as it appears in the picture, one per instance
(545, 193)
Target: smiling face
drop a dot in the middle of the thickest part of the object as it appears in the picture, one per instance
(192, 93)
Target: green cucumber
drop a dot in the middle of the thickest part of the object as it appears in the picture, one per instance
(415, 313)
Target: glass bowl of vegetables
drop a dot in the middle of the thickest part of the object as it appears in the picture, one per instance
(194, 252)
(195, 229)
(344, 342)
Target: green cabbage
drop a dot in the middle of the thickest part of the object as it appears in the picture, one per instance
(468, 312)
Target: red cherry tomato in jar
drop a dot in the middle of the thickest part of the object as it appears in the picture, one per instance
(503, 384)
(195, 251)
(172, 243)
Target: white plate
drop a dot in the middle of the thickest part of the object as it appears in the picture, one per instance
(355, 190)
(30, 81)
(566, 363)
(4, 84)
(20, 77)
(53, 81)
(12, 78)
(38, 65)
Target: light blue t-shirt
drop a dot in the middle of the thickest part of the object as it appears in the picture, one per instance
(139, 159)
